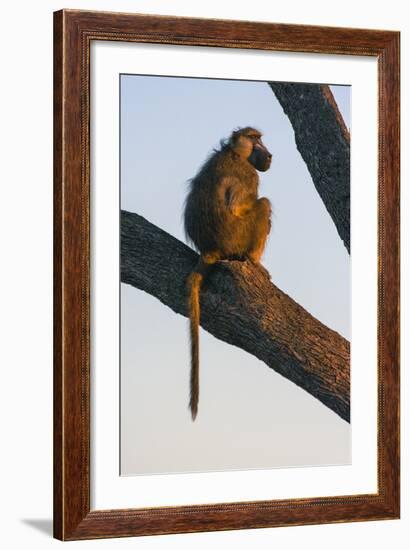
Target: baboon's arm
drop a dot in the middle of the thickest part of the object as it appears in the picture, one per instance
(237, 198)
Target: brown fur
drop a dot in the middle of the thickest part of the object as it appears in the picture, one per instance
(225, 219)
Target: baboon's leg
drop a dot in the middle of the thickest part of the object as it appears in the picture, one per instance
(262, 224)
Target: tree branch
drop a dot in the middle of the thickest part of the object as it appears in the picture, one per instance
(324, 142)
(240, 305)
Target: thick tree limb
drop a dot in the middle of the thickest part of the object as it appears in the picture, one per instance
(324, 142)
(241, 306)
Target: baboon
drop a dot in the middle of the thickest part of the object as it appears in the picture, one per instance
(225, 220)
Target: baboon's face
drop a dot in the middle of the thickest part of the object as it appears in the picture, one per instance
(260, 157)
(247, 143)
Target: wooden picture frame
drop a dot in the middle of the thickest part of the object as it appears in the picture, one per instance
(74, 32)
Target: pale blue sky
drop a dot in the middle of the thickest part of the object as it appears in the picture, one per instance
(168, 127)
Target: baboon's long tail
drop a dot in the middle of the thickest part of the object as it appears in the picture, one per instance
(195, 281)
(194, 285)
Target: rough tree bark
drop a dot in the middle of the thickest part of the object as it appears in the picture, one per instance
(241, 306)
(324, 142)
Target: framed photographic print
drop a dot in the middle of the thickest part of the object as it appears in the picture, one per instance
(226, 275)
